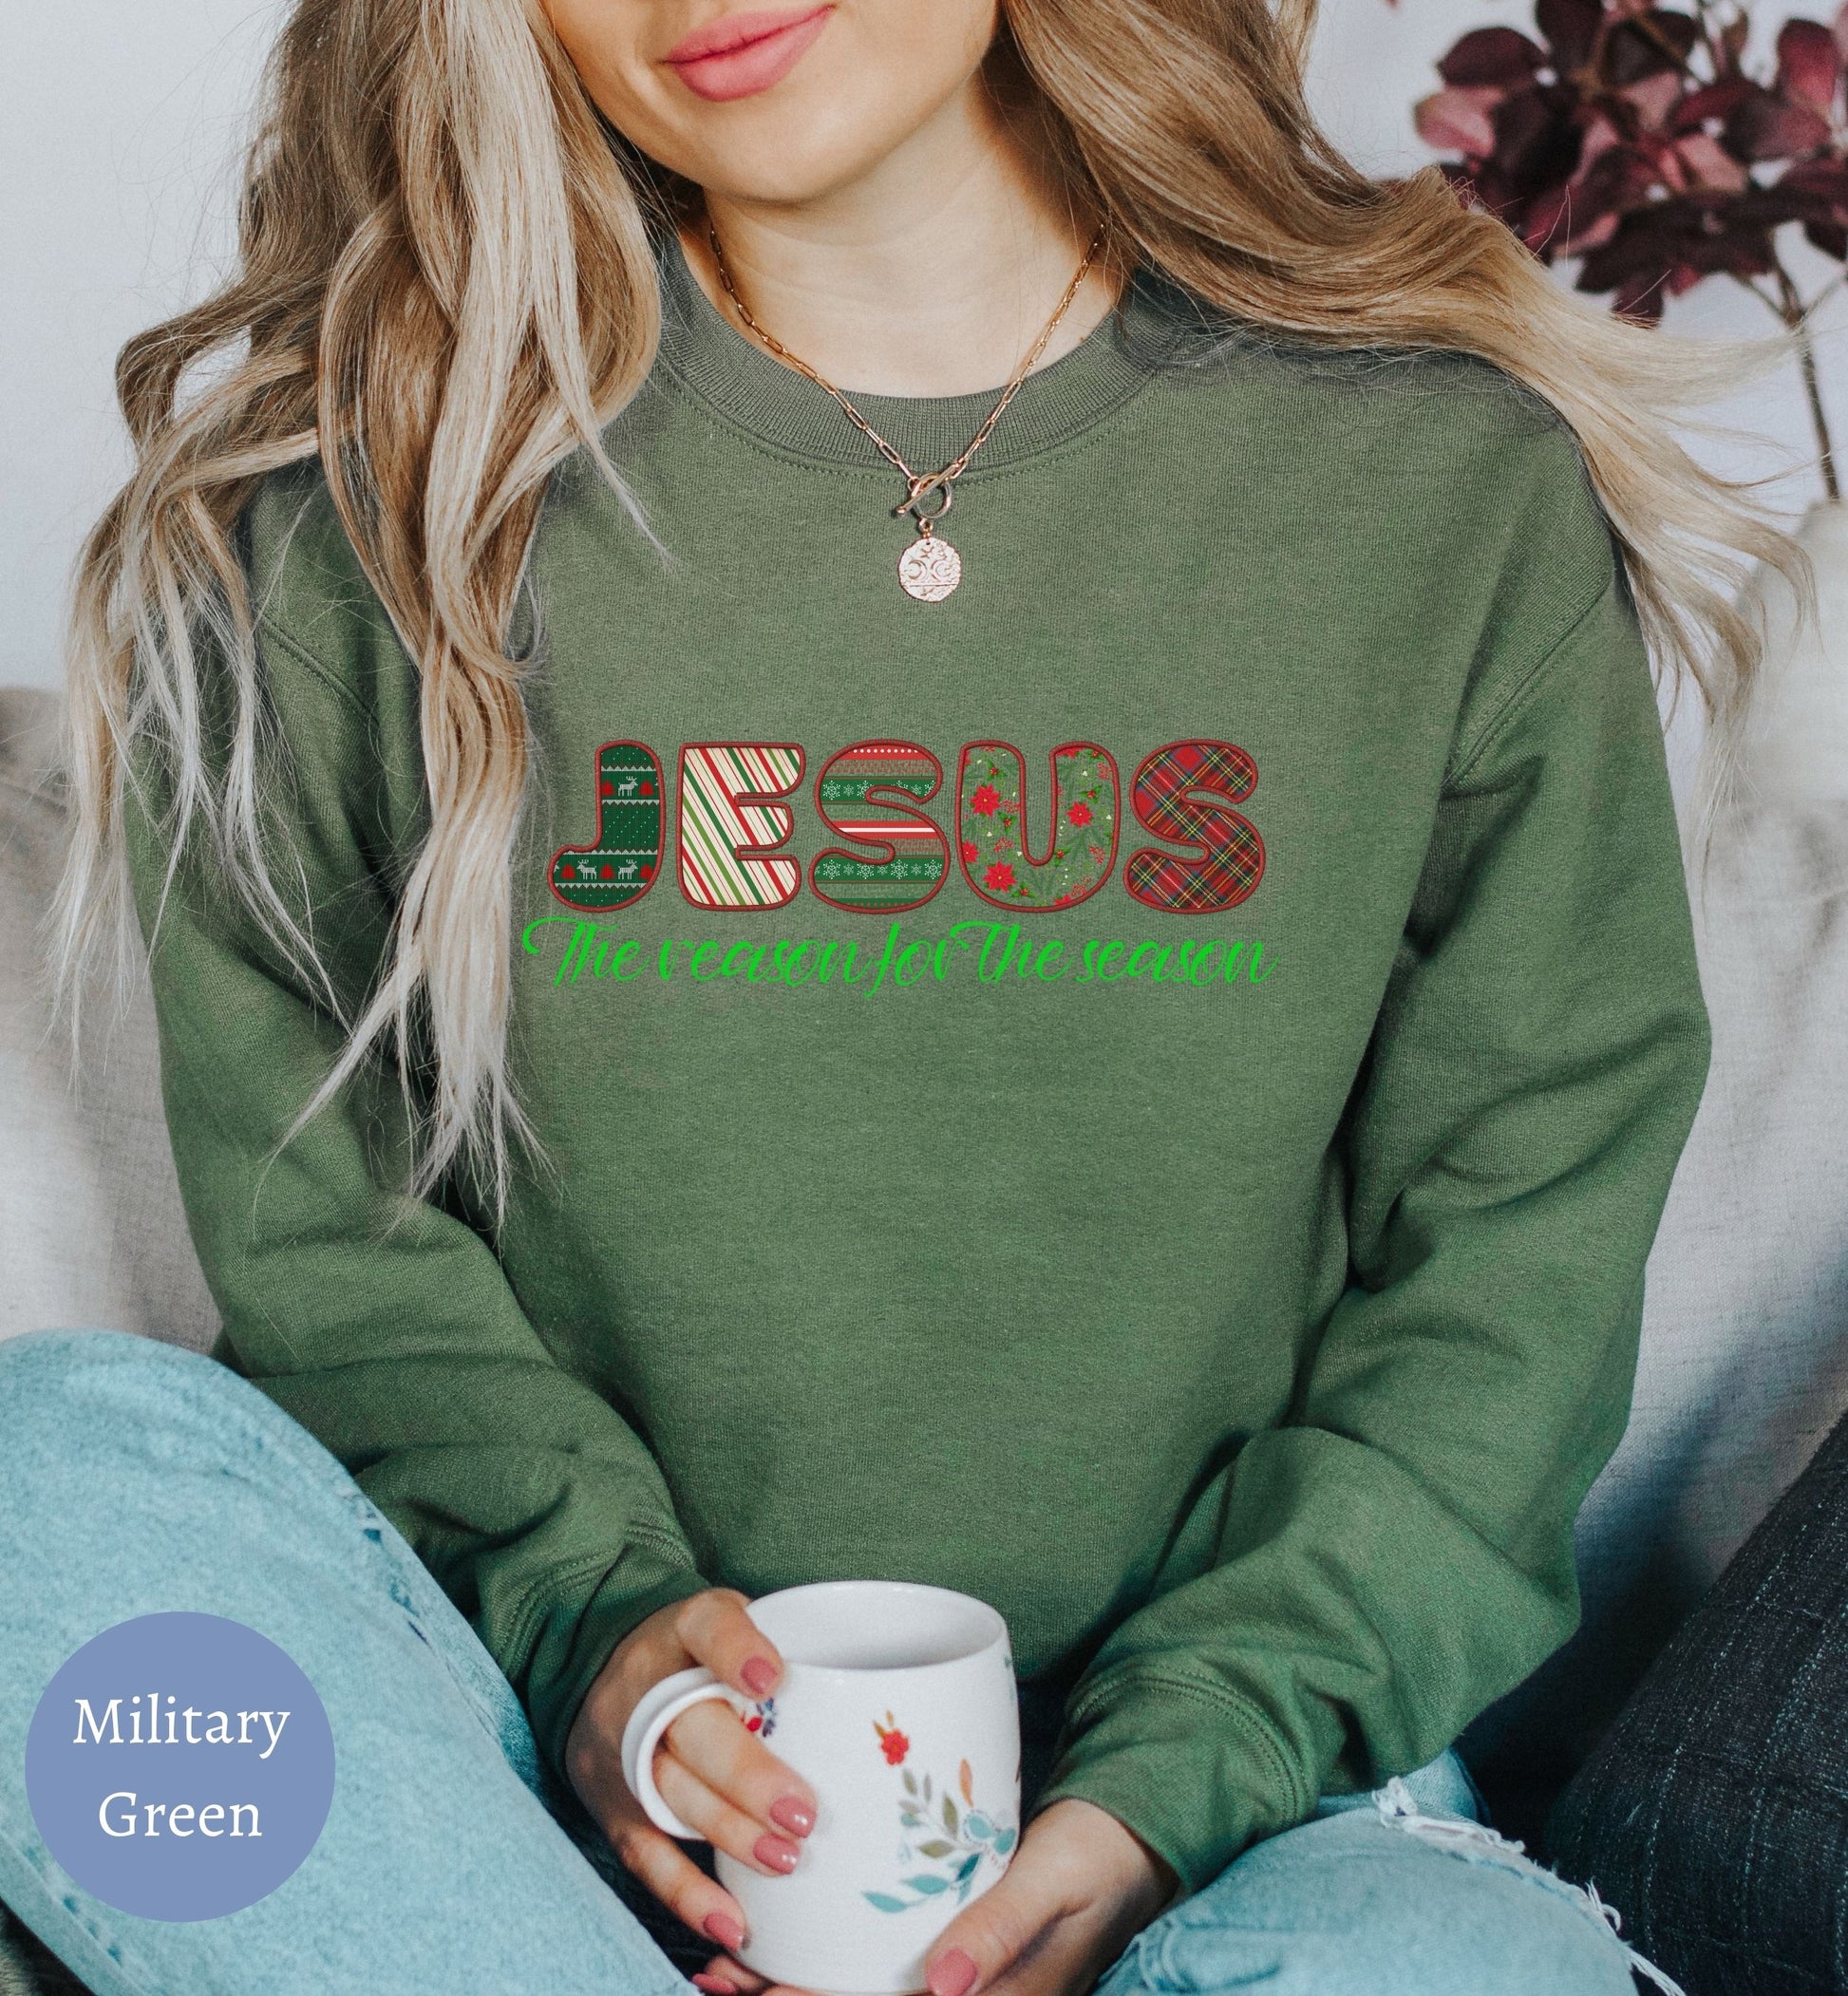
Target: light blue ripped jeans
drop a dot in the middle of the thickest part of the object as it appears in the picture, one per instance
(136, 1478)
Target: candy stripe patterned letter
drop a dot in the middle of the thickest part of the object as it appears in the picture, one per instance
(730, 823)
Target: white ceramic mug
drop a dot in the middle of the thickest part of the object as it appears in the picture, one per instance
(897, 1705)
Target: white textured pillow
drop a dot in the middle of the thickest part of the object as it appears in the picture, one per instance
(91, 1229)
(1745, 1355)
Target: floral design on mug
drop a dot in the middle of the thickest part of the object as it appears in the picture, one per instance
(763, 1721)
(956, 1839)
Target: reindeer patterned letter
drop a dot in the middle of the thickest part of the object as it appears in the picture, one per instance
(620, 863)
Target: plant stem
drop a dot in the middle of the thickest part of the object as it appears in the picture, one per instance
(1649, 32)
(1795, 316)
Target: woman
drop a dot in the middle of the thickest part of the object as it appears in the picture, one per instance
(1119, 1049)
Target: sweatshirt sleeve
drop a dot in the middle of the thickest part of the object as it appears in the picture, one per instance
(384, 1325)
(1399, 1553)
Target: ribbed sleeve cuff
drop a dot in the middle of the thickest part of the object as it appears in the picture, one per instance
(1195, 1771)
(584, 1616)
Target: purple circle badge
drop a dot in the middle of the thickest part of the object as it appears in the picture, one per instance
(179, 1767)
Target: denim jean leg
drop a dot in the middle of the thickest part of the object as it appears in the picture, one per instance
(1387, 1894)
(135, 1478)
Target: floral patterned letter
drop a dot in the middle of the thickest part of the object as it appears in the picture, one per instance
(1080, 845)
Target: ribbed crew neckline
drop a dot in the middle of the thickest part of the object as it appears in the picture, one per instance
(731, 372)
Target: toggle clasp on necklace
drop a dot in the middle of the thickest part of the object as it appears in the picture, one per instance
(922, 486)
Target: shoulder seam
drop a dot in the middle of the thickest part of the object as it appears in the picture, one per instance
(1528, 680)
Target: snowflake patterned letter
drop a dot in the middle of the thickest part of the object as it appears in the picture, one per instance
(619, 864)
(1081, 841)
(1186, 792)
(868, 793)
(730, 823)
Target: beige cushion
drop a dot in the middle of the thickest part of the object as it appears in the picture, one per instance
(1745, 1361)
(91, 1229)
(1744, 1358)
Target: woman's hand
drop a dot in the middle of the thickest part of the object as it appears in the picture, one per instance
(713, 1773)
(1080, 1888)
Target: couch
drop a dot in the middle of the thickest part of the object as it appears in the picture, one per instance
(1744, 1360)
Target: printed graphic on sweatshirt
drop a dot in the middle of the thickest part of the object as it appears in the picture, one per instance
(1186, 792)
(1003, 955)
(1081, 822)
(730, 822)
(868, 793)
(619, 864)
(1027, 850)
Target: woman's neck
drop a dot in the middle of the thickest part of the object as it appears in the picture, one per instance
(931, 273)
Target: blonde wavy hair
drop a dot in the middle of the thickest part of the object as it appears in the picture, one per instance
(446, 286)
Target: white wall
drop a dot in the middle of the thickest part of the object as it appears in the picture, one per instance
(118, 158)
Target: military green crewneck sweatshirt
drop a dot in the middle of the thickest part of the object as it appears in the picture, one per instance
(1140, 1091)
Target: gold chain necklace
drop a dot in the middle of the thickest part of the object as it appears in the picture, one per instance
(929, 568)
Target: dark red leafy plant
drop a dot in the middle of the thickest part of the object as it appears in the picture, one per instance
(1632, 138)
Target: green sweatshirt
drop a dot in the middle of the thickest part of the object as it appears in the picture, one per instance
(1140, 1091)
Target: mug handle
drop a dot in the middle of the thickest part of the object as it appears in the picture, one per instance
(656, 1710)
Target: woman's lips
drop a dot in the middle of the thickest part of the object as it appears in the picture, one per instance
(742, 54)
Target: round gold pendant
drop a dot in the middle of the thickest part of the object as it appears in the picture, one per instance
(929, 568)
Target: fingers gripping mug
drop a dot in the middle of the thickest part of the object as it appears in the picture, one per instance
(897, 1704)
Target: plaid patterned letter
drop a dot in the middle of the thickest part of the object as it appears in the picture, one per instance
(1186, 792)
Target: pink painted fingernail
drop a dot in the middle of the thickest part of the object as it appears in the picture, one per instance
(793, 1814)
(712, 1984)
(776, 1852)
(759, 1675)
(952, 1975)
(725, 1930)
